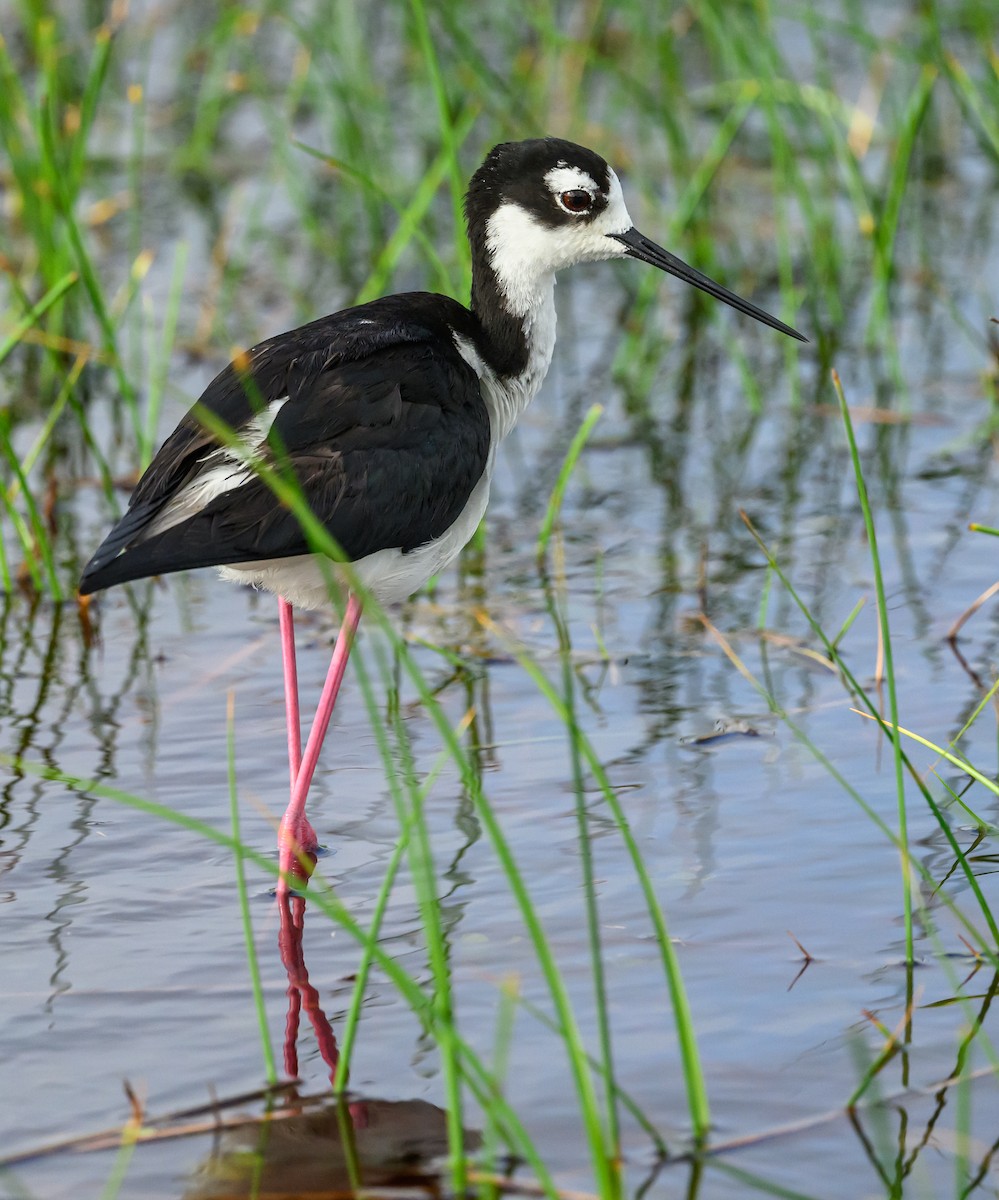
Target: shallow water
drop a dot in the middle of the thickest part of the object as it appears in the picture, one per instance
(120, 933)
(125, 930)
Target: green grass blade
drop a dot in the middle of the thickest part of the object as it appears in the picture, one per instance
(568, 466)
(161, 368)
(448, 128)
(259, 1004)
(34, 535)
(36, 311)
(585, 842)
(879, 590)
(886, 228)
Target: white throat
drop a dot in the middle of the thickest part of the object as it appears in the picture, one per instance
(524, 254)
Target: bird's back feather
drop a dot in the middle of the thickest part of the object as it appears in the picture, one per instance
(373, 410)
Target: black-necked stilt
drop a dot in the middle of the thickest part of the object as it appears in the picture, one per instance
(389, 414)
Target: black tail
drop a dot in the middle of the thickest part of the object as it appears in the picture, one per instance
(107, 566)
(126, 555)
(203, 540)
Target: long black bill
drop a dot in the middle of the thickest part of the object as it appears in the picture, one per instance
(641, 248)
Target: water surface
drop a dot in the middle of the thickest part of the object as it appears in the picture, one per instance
(120, 933)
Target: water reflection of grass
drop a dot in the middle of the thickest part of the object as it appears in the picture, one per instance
(322, 155)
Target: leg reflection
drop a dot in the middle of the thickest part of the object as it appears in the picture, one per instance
(301, 993)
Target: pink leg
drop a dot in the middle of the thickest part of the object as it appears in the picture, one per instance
(296, 836)
(306, 835)
(287, 620)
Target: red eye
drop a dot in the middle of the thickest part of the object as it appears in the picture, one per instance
(577, 200)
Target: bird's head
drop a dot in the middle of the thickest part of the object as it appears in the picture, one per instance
(536, 207)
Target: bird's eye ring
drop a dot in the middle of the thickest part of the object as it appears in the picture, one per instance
(576, 200)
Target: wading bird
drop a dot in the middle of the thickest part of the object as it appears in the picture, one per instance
(388, 416)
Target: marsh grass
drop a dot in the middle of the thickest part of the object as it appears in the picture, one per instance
(348, 185)
(870, 707)
(915, 880)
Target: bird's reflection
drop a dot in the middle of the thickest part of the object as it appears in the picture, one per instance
(319, 1151)
(322, 1146)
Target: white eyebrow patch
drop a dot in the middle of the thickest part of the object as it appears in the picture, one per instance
(567, 179)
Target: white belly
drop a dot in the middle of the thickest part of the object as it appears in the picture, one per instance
(389, 575)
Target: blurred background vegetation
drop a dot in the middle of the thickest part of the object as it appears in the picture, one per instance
(178, 180)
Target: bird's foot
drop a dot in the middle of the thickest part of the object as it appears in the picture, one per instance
(298, 849)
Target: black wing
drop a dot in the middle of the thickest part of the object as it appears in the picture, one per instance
(384, 427)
